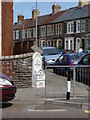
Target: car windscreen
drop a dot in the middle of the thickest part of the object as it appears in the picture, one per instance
(75, 57)
(51, 51)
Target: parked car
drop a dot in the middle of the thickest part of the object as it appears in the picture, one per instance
(83, 70)
(50, 55)
(68, 59)
(63, 51)
(7, 88)
(84, 52)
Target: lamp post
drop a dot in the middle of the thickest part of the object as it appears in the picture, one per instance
(23, 28)
(36, 23)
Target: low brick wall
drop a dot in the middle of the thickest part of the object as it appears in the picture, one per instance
(19, 68)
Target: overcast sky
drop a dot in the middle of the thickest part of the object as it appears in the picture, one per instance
(26, 8)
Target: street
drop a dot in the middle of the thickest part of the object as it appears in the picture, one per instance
(27, 110)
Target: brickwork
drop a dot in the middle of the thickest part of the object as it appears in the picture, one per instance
(7, 28)
(19, 68)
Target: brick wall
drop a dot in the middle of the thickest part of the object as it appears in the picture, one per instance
(19, 68)
(7, 28)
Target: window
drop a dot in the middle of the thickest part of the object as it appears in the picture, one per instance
(58, 29)
(52, 30)
(61, 58)
(59, 44)
(88, 45)
(17, 34)
(25, 33)
(86, 60)
(43, 43)
(65, 59)
(70, 44)
(29, 33)
(83, 25)
(48, 43)
(66, 44)
(43, 31)
(78, 26)
(48, 30)
(70, 27)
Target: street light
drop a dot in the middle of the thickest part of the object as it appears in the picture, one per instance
(36, 23)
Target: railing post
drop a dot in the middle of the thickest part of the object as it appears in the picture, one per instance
(74, 74)
(68, 84)
(45, 83)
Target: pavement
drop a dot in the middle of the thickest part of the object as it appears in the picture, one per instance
(54, 94)
(36, 96)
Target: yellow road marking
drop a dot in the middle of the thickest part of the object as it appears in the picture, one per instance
(87, 111)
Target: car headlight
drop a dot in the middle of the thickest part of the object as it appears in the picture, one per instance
(4, 82)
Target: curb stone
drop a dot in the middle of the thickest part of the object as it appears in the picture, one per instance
(68, 104)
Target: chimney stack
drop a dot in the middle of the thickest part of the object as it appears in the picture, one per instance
(56, 8)
(81, 3)
(20, 17)
(34, 13)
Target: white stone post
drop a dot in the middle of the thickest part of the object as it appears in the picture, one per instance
(38, 76)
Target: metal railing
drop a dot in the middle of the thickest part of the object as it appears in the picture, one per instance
(56, 80)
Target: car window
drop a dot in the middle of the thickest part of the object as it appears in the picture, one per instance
(86, 60)
(51, 51)
(65, 59)
(61, 58)
(75, 57)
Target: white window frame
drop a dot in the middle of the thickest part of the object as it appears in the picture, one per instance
(83, 25)
(69, 39)
(29, 33)
(70, 27)
(17, 34)
(48, 30)
(43, 30)
(78, 26)
(58, 29)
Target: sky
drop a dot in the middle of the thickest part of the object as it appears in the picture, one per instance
(26, 8)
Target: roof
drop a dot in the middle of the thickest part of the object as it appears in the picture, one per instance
(65, 15)
(41, 20)
(30, 22)
(74, 13)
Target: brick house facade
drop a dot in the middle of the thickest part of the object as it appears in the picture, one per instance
(6, 39)
(64, 29)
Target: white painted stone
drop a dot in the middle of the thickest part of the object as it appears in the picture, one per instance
(38, 76)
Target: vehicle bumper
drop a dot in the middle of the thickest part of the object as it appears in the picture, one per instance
(7, 93)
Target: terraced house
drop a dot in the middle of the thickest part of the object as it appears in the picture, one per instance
(67, 29)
